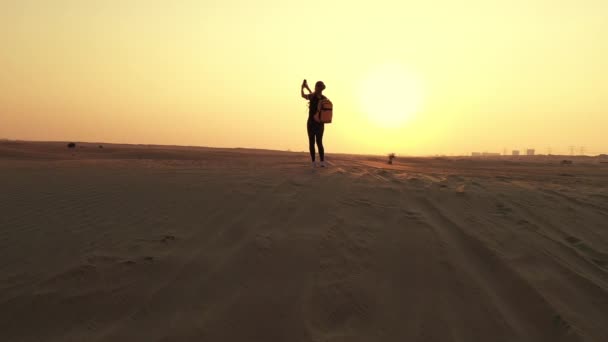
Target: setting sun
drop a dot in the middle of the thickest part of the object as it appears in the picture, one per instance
(390, 95)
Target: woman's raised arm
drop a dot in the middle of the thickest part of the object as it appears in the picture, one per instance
(305, 86)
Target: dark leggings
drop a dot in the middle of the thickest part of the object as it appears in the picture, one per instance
(315, 132)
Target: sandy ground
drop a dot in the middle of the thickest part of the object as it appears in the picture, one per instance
(149, 243)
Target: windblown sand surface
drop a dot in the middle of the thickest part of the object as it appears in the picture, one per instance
(144, 243)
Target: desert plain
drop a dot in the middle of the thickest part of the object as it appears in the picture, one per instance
(108, 242)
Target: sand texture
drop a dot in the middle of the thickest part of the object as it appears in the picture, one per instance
(152, 243)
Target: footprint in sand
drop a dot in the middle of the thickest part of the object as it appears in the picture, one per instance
(502, 209)
(167, 238)
(263, 242)
(596, 257)
(413, 215)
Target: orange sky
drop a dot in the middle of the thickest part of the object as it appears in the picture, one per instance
(449, 77)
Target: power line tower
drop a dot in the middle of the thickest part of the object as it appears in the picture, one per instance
(571, 150)
(504, 151)
(582, 150)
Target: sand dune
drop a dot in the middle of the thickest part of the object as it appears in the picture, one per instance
(159, 243)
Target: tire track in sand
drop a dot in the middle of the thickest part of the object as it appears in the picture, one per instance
(522, 308)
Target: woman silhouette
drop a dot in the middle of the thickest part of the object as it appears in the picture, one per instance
(314, 128)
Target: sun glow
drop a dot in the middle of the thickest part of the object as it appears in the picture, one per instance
(390, 95)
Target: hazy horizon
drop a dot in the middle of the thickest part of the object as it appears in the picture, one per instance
(416, 79)
(576, 152)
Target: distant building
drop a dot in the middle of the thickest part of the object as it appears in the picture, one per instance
(515, 152)
(476, 154)
(530, 152)
(490, 154)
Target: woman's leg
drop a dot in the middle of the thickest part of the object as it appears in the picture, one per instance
(311, 141)
(319, 135)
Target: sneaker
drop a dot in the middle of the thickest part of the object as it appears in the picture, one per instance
(323, 164)
(314, 164)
